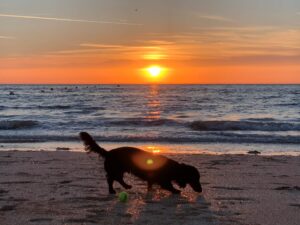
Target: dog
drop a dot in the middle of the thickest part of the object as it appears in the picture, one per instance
(153, 168)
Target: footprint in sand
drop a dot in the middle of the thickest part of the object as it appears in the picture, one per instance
(8, 208)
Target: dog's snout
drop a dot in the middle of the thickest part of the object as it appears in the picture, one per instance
(197, 187)
(199, 190)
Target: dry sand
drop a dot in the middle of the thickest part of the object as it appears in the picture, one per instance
(70, 188)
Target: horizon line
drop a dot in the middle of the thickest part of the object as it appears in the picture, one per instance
(81, 84)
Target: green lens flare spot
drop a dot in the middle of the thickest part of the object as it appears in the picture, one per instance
(149, 161)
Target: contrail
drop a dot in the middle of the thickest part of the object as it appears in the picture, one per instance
(67, 19)
(7, 37)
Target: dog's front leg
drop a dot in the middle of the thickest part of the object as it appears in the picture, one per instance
(149, 186)
(110, 182)
(168, 186)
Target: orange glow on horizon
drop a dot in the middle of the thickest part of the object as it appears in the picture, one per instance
(73, 70)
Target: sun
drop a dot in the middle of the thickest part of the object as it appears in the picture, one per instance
(154, 71)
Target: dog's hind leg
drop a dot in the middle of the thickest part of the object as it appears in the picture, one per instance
(110, 182)
(168, 186)
(122, 182)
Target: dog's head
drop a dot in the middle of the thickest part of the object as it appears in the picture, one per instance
(189, 175)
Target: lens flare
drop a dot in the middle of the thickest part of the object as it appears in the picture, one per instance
(148, 161)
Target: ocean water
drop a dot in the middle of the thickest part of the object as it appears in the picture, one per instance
(189, 118)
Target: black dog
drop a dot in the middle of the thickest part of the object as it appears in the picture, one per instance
(154, 169)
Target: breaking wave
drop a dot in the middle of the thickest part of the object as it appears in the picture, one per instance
(17, 124)
(244, 126)
(212, 138)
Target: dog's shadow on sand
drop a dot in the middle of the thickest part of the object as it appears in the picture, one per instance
(160, 207)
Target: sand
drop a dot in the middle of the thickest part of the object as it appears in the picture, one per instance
(69, 188)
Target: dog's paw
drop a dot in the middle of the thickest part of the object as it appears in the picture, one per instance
(112, 191)
(177, 192)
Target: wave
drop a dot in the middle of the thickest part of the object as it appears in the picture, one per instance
(143, 122)
(288, 104)
(211, 138)
(54, 107)
(17, 124)
(266, 119)
(42, 107)
(243, 126)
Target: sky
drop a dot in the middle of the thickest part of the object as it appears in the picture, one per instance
(113, 41)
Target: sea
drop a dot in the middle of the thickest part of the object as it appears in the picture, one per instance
(214, 119)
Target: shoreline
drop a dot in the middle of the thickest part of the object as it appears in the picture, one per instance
(164, 148)
(64, 187)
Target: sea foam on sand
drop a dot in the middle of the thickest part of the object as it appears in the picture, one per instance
(70, 188)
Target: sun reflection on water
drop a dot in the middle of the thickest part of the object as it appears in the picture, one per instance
(153, 104)
(153, 149)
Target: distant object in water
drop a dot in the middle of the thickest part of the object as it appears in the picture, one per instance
(51, 89)
(118, 85)
(254, 152)
(62, 149)
(42, 91)
(11, 93)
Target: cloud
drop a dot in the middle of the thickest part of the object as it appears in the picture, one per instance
(120, 47)
(215, 18)
(208, 44)
(93, 45)
(67, 19)
(238, 28)
(7, 37)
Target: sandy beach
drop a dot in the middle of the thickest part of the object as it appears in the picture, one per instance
(69, 188)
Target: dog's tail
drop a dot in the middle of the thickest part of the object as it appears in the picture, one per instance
(91, 145)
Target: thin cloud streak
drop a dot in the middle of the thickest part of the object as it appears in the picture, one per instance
(7, 37)
(122, 47)
(67, 19)
(215, 18)
(92, 45)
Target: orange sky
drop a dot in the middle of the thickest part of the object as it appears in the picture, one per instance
(195, 42)
(49, 69)
(204, 75)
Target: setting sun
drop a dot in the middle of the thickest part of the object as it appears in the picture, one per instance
(154, 71)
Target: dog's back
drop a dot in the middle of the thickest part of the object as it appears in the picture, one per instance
(147, 166)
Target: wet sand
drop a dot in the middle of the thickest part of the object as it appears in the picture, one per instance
(69, 188)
